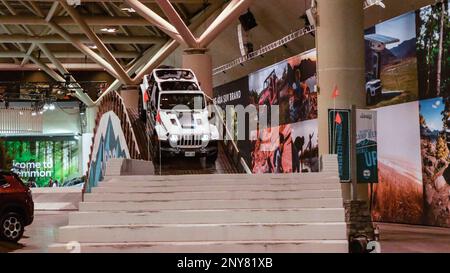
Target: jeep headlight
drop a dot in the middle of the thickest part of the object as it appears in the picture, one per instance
(205, 138)
(173, 139)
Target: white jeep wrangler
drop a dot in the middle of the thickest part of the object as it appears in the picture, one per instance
(178, 117)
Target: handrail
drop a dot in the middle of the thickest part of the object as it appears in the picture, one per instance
(114, 102)
(236, 156)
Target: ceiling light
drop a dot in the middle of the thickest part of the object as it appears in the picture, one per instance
(109, 29)
(130, 10)
(33, 113)
(92, 46)
(51, 107)
(46, 106)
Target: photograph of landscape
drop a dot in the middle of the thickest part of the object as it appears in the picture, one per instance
(391, 62)
(434, 132)
(398, 197)
(433, 49)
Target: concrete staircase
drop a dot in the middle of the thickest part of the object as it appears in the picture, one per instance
(211, 213)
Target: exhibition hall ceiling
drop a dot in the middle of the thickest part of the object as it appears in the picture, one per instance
(23, 29)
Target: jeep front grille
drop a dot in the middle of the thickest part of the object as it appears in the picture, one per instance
(190, 141)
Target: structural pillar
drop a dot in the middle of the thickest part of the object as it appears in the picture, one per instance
(130, 96)
(201, 63)
(341, 63)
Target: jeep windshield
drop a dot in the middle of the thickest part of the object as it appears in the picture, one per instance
(179, 86)
(174, 74)
(182, 101)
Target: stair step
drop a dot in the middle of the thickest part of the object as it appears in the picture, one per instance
(207, 216)
(221, 177)
(211, 195)
(212, 204)
(223, 182)
(305, 246)
(149, 189)
(203, 232)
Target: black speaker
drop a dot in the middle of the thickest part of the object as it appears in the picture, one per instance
(248, 21)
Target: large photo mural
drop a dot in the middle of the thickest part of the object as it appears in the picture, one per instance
(398, 197)
(433, 48)
(290, 85)
(391, 62)
(407, 84)
(434, 132)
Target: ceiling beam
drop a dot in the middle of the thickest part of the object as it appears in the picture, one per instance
(46, 69)
(56, 39)
(143, 66)
(123, 76)
(155, 19)
(37, 9)
(49, 16)
(144, 1)
(67, 21)
(70, 54)
(85, 49)
(178, 23)
(79, 93)
(68, 66)
(223, 21)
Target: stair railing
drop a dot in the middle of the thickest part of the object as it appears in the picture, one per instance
(114, 102)
(231, 149)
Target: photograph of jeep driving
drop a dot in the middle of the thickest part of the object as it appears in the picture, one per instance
(221, 135)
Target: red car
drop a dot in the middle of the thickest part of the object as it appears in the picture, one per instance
(16, 207)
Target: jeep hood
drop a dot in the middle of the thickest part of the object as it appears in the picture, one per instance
(185, 122)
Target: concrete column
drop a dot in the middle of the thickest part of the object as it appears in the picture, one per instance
(201, 63)
(340, 48)
(130, 96)
(86, 138)
(91, 115)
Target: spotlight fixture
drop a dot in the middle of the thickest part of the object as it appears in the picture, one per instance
(51, 107)
(46, 107)
(109, 29)
(33, 114)
(248, 21)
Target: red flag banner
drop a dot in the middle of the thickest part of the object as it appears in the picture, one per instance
(335, 92)
(338, 119)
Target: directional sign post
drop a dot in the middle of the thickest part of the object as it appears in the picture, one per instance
(339, 140)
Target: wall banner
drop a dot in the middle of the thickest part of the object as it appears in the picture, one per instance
(339, 140)
(366, 146)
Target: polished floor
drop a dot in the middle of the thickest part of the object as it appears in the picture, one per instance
(397, 238)
(40, 234)
(394, 238)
